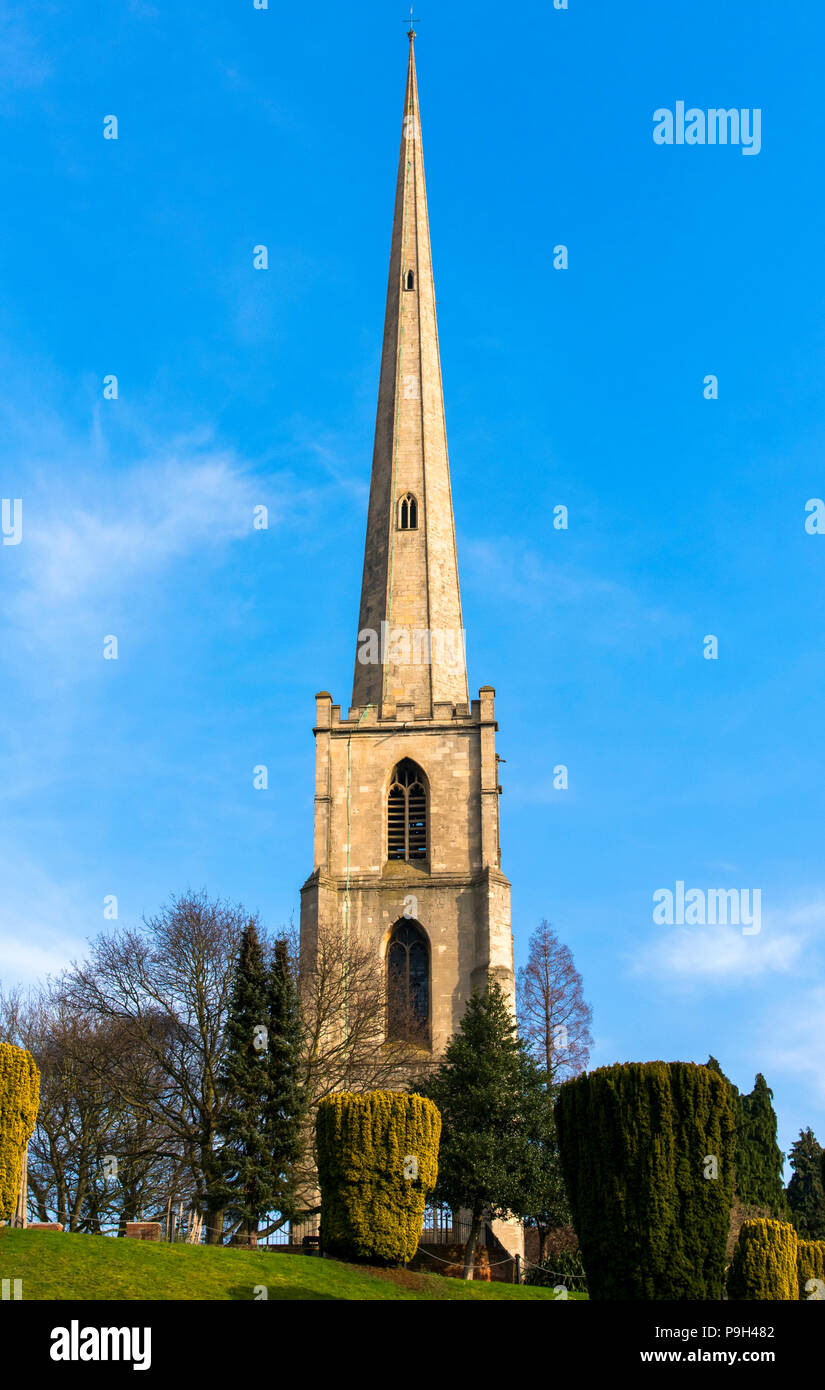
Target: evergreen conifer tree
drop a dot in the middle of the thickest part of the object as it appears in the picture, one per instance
(286, 1108)
(494, 1110)
(806, 1197)
(259, 1122)
(759, 1157)
(547, 1206)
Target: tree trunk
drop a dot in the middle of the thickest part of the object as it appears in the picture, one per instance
(470, 1247)
(214, 1228)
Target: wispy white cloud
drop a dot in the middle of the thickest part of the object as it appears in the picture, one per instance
(111, 530)
(43, 924)
(684, 957)
(95, 536)
(336, 460)
(717, 953)
(514, 573)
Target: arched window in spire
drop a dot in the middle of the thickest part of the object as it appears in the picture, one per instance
(408, 513)
(410, 281)
(407, 813)
(408, 983)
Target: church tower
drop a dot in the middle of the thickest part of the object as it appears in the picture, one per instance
(407, 855)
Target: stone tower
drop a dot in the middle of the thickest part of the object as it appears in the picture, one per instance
(407, 854)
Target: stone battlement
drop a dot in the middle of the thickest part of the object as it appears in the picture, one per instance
(329, 716)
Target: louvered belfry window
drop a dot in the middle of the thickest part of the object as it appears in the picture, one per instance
(408, 983)
(407, 813)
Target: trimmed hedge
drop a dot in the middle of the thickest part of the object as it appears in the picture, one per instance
(19, 1103)
(810, 1264)
(634, 1142)
(377, 1163)
(764, 1262)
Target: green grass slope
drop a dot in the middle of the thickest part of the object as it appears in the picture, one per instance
(57, 1265)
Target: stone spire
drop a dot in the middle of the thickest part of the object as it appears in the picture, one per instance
(411, 641)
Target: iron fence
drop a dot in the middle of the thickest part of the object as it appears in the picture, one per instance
(294, 1233)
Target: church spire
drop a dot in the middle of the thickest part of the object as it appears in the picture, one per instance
(410, 639)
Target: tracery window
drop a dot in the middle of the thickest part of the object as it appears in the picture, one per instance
(408, 982)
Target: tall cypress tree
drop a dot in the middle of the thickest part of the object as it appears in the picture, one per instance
(758, 1155)
(286, 1107)
(806, 1197)
(260, 1115)
(759, 1158)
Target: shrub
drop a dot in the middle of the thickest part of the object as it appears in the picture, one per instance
(560, 1239)
(377, 1162)
(810, 1264)
(764, 1262)
(635, 1142)
(563, 1268)
(19, 1103)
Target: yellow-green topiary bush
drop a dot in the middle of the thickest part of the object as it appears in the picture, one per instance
(810, 1266)
(764, 1262)
(19, 1103)
(377, 1163)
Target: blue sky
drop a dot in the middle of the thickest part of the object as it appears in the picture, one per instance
(584, 387)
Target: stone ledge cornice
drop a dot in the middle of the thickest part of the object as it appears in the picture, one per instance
(377, 883)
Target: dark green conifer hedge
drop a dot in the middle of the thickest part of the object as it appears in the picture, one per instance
(640, 1143)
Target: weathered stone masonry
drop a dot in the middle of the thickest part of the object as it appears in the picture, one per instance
(404, 708)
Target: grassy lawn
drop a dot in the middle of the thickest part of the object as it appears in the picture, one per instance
(57, 1265)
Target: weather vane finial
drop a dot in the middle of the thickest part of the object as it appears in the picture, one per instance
(411, 30)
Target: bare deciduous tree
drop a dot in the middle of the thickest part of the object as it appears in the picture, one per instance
(130, 1042)
(554, 1018)
(92, 1164)
(166, 989)
(343, 994)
